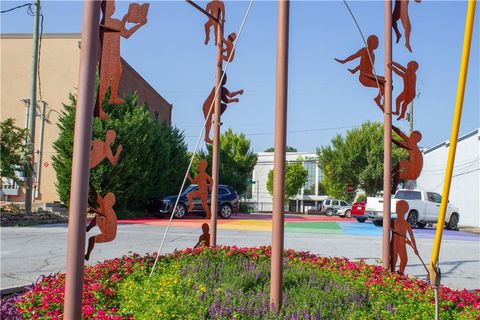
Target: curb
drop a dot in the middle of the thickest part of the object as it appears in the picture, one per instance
(12, 290)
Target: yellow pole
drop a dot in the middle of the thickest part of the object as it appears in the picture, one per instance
(467, 40)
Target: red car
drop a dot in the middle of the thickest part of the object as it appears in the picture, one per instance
(358, 211)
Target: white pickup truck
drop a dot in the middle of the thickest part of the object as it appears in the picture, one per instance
(423, 208)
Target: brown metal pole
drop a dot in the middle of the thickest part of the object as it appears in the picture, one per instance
(279, 156)
(387, 152)
(216, 139)
(81, 156)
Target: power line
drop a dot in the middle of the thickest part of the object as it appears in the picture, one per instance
(293, 131)
(29, 5)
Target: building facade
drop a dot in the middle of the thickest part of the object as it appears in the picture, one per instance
(58, 78)
(465, 187)
(308, 197)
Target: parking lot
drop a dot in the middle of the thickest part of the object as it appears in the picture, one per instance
(29, 252)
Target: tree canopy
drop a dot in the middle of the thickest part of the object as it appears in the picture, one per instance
(14, 150)
(237, 160)
(356, 159)
(295, 177)
(151, 164)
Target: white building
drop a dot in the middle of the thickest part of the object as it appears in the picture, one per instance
(308, 196)
(465, 188)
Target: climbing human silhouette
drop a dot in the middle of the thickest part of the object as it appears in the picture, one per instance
(409, 86)
(204, 182)
(106, 220)
(204, 239)
(400, 12)
(110, 65)
(367, 61)
(208, 106)
(407, 169)
(228, 52)
(215, 8)
(101, 150)
(399, 238)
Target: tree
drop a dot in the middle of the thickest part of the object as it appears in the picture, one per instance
(152, 162)
(14, 150)
(295, 177)
(237, 160)
(287, 149)
(356, 159)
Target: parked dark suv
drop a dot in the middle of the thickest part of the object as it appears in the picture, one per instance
(228, 203)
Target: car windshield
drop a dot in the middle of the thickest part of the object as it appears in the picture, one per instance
(408, 195)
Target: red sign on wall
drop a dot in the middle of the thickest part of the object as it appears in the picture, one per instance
(350, 188)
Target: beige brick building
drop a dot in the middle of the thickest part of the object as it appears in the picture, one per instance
(59, 66)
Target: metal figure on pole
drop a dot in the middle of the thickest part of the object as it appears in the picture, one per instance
(278, 216)
(80, 162)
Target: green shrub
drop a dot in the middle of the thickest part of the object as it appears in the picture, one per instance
(153, 156)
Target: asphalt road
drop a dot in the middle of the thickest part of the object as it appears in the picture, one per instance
(29, 252)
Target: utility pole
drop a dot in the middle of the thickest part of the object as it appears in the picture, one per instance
(33, 105)
(387, 136)
(278, 216)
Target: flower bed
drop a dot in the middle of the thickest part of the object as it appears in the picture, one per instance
(233, 283)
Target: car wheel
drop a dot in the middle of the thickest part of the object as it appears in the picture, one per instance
(378, 223)
(348, 214)
(361, 220)
(329, 212)
(421, 225)
(453, 222)
(181, 211)
(225, 211)
(412, 219)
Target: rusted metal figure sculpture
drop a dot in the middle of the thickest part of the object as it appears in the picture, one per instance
(204, 182)
(409, 86)
(367, 60)
(105, 219)
(407, 169)
(214, 8)
(400, 12)
(204, 239)
(102, 150)
(226, 97)
(400, 239)
(110, 66)
(228, 50)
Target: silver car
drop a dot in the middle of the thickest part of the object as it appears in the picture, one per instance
(332, 206)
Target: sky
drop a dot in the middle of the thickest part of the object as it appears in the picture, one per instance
(324, 99)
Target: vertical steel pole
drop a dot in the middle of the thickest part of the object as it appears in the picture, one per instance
(462, 79)
(40, 149)
(81, 155)
(387, 143)
(279, 155)
(216, 137)
(33, 106)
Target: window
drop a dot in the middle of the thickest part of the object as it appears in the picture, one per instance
(335, 203)
(430, 197)
(223, 191)
(436, 198)
(343, 203)
(327, 202)
(155, 115)
(408, 195)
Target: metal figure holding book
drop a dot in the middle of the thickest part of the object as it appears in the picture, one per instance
(110, 65)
